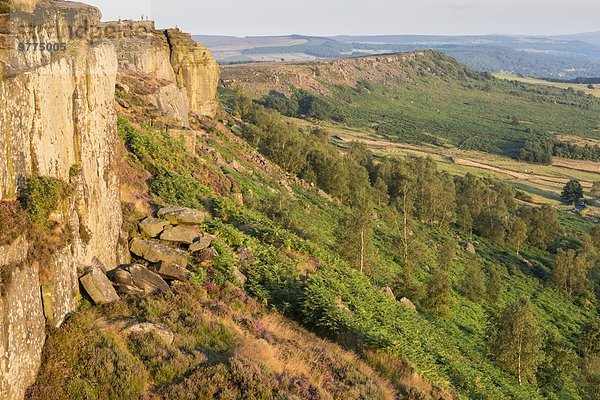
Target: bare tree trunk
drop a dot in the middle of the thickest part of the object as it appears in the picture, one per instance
(362, 249)
(405, 216)
(520, 347)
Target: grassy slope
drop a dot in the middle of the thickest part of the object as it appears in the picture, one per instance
(446, 113)
(334, 300)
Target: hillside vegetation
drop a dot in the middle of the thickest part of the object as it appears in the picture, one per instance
(431, 286)
(426, 98)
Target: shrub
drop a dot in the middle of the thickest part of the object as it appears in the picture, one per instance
(83, 363)
(13, 221)
(180, 189)
(42, 196)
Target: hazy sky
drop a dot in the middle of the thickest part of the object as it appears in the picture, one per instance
(333, 17)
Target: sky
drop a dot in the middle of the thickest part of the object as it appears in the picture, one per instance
(362, 17)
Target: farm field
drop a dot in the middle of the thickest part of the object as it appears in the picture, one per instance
(536, 81)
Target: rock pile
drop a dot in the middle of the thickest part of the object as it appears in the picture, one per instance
(163, 248)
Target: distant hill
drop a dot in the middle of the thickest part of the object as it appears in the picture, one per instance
(424, 97)
(559, 57)
(590, 37)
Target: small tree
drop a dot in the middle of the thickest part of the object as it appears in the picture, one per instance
(515, 341)
(518, 233)
(572, 192)
(438, 296)
(473, 284)
(381, 192)
(495, 288)
(571, 269)
(438, 293)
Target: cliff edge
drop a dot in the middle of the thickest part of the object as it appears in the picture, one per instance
(59, 66)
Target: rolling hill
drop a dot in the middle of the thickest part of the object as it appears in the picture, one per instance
(560, 57)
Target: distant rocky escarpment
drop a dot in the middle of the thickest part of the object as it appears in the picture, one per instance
(59, 66)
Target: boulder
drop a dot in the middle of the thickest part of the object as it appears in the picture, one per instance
(244, 256)
(160, 330)
(120, 277)
(388, 292)
(98, 286)
(123, 282)
(172, 272)
(145, 279)
(130, 327)
(203, 243)
(152, 227)
(182, 233)
(129, 290)
(96, 263)
(408, 304)
(122, 102)
(205, 257)
(157, 252)
(182, 215)
(239, 275)
(468, 247)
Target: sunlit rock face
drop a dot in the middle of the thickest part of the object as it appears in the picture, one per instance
(57, 119)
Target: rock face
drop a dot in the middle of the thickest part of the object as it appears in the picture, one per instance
(57, 112)
(166, 69)
(196, 70)
(23, 330)
(57, 119)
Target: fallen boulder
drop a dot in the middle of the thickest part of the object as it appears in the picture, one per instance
(182, 215)
(152, 227)
(468, 247)
(239, 276)
(205, 257)
(203, 243)
(98, 286)
(160, 330)
(145, 279)
(182, 233)
(408, 304)
(96, 263)
(388, 292)
(131, 327)
(123, 282)
(157, 252)
(171, 272)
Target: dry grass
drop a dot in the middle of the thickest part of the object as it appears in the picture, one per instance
(560, 85)
(225, 345)
(13, 222)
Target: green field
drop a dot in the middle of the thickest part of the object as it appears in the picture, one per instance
(536, 81)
